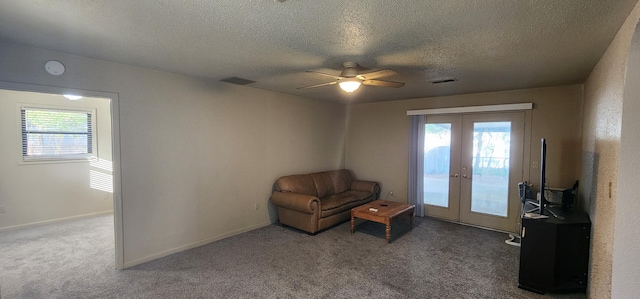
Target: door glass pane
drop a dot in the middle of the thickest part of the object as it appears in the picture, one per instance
(490, 181)
(437, 158)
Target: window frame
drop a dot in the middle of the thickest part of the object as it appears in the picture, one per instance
(92, 135)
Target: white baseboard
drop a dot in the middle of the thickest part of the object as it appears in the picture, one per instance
(193, 245)
(52, 221)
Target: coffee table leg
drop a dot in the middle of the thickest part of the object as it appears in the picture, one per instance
(388, 233)
(412, 216)
(353, 226)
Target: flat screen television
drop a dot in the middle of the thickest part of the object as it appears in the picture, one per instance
(543, 167)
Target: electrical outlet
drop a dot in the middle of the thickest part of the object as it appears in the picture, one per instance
(2, 209)
(535, 165)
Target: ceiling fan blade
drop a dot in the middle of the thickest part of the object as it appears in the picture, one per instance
(377, 74)
(318, 85)
(382, 83)
(324, 74)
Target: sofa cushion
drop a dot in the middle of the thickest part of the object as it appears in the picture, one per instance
(337, 203)
(324, 184)
(301, 183)
(341, 180)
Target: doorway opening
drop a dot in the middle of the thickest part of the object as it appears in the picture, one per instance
(60, 159)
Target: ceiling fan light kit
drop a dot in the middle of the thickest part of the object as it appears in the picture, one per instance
(350, 78)
(349, 85)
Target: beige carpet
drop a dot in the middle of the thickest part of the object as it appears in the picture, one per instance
(434, 260)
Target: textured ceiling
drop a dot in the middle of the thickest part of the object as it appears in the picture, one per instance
(488, 45)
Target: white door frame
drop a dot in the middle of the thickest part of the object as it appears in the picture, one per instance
(514, 107)
(115, 149)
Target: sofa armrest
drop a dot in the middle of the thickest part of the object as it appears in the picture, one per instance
(295, 201)
(367, 186)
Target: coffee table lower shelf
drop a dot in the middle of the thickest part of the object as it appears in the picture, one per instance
(382, 211)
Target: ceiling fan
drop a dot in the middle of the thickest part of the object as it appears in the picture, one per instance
(350, 78)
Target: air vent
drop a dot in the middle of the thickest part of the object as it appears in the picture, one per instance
(237, 81)
(444, 81)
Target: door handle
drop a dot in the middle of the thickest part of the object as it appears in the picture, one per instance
(466, 176)
(454, 175)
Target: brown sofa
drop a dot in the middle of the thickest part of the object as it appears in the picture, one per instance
(315, 201)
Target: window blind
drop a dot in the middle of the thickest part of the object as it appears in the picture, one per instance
(50, 133)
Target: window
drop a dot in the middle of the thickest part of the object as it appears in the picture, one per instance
(55, 134)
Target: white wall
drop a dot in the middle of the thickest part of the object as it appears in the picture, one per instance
(601, 142)
(626, 240)
(197, 155)
(37, 192)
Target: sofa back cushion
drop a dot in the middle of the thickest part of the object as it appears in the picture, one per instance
(341, 180)
(324, 184)
(300, 183)
(320, 184)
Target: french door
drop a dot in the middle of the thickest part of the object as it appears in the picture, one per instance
(472, 166)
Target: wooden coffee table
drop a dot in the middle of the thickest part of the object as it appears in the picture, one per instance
(382, 211)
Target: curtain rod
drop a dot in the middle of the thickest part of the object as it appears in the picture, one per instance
(469, 109)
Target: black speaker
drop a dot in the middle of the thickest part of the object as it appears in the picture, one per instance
(524, 191)
(567, 199)
(569, 195)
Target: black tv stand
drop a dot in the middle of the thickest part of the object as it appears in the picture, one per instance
(554, 252)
